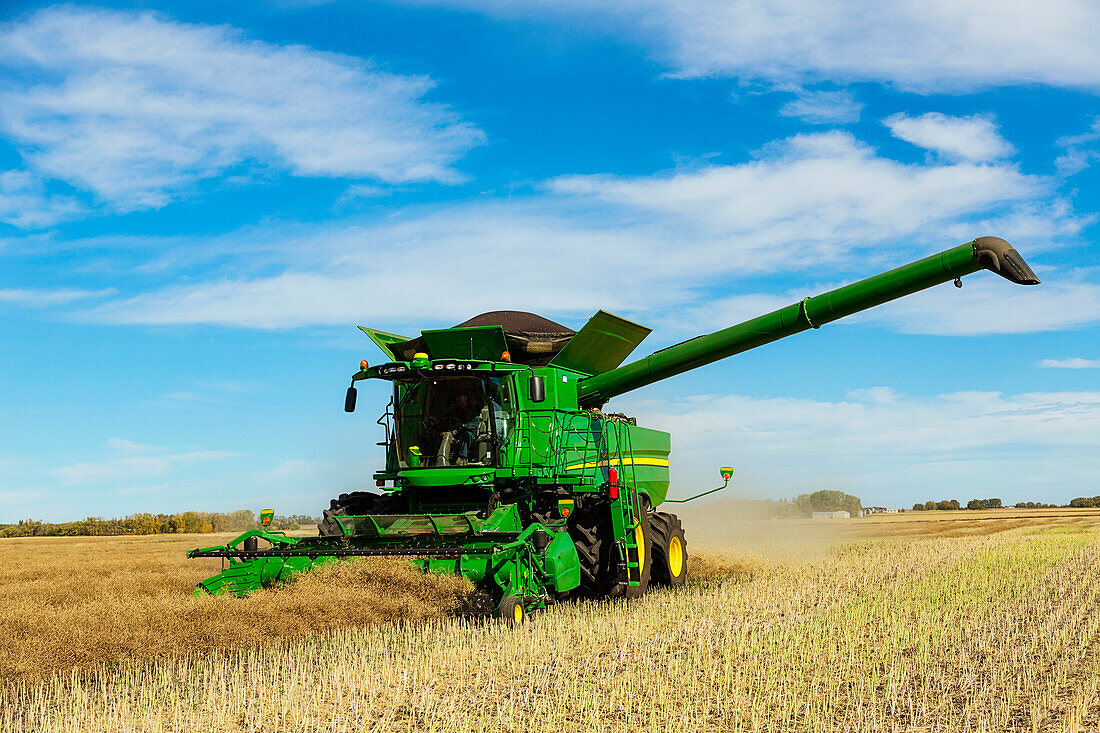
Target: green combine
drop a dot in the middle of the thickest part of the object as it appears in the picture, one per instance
(502, 465)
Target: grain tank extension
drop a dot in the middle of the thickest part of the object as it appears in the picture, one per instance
(503, 465)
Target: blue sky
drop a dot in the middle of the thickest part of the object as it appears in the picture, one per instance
(198, 203)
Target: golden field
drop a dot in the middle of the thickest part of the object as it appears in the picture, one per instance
(937, 621)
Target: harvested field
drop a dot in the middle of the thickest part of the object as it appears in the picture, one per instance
(990, 624)
(73, 602)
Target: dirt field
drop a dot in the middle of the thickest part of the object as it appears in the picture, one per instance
(937, 621)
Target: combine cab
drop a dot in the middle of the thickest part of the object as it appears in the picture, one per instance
(501, 464)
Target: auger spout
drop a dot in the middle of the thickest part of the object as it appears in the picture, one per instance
(989, 253)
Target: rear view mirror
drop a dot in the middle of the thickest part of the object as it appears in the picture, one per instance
(349, 400)
(537, 388)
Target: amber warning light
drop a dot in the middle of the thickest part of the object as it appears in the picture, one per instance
(363, 365)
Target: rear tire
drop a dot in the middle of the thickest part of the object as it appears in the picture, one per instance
(669, 549)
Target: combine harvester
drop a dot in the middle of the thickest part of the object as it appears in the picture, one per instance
(502, 466)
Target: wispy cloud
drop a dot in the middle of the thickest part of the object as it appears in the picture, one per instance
(205, 394)
(1079, 151)
(823, 107)
(25, 202)
(826, 190)
(910, 44)
(32, 298)
(989, 305)
(958, 138)
(638, 244)
(1071, 363)
(293, 469)
(138, 109)
(130, 462)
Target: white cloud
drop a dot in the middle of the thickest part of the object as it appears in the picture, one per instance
(1072, 363)
(635, 244)
(360, 191)
(45, 298)
(132, 462)
(1080, 151)
(883, 445)
(25, 203)
(820, 195)
(293, 469)
(362, 274)
(960, 45)
(122, 445)
(138, 109)
(987, 304)
(959, 138)
(823, 107)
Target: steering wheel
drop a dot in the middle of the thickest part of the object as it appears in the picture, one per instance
(447, 424)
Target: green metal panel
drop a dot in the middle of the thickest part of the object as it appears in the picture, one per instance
(562, 563)
(604, 342)
(988, 252)
(451, 476)
(649, 462)
(384, 340)
(479, 342)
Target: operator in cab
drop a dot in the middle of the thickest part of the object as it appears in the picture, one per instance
(466, 413)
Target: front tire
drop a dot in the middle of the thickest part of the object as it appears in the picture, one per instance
(590, 536)
(511, 611)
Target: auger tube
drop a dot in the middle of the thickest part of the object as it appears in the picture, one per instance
(989, 253)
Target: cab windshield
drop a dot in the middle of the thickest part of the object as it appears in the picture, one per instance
(451, 421)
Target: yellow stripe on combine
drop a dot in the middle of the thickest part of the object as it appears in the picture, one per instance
(635, 462)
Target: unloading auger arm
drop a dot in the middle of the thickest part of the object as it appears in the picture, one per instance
(989, 253)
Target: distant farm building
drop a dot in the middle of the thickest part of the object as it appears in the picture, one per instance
(832, 515)
(878, 510)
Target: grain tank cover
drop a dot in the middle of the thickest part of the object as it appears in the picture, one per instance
(386, 342)
(479, 342)
(528, 338)
(603, 344)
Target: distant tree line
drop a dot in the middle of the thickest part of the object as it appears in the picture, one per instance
(943, 505)
(180, 523)
(1085, 502)
(995, 503)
